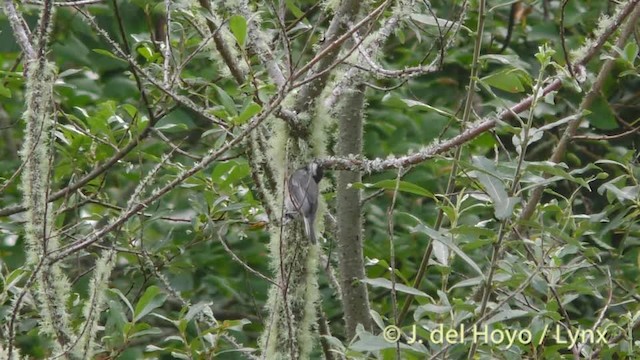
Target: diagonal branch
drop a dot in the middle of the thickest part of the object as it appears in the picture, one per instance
(206, 160)
(561, 147)
(222, 47)
(347, 11)
(476, 129)
(20, 29)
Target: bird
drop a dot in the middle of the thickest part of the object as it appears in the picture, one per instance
(301, 197)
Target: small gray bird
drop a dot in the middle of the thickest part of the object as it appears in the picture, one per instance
(302, 196)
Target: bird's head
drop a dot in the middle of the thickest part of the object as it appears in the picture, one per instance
(315, 170)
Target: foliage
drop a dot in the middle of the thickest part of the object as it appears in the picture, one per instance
(152, 161)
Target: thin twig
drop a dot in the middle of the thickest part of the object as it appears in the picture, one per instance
(20, 30)
(244, 264)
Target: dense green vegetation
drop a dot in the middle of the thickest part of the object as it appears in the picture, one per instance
(499, 185)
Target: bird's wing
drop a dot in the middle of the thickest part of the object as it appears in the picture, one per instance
(299, 186)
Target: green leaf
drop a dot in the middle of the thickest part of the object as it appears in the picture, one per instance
(468, 282)
(435, 235)
(116, 322)
(236, 325)
(195, 310)
(179, 355)
(505, 209)
(152, 348)
(493, 187)
(387, 284)
(142, 329)
(238, 26)
(174, 322)
(13, 278)
(146, 52)
(631, 52)
(394, 101)
(602, 116)
(4, 91)
(130, 109)
(441, 252)
(433, 309)
(150, 300)
(556, 170)
(226, 101)
(414, 103)
(506, 315)
(622, 194)
(229, 173)
(107, 53)
(370, 342)
(124, 299)
(177, 120)
(404, 186)
(172, 127)
(294, 9)
(436, 21)
(510, 60)
(610, 162)
(507, 80)
(247, 114)
(182, 325)
(502, 203)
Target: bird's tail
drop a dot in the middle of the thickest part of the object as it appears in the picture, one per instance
(309, 230)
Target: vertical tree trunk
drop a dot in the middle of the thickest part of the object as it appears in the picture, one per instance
(351, 262)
